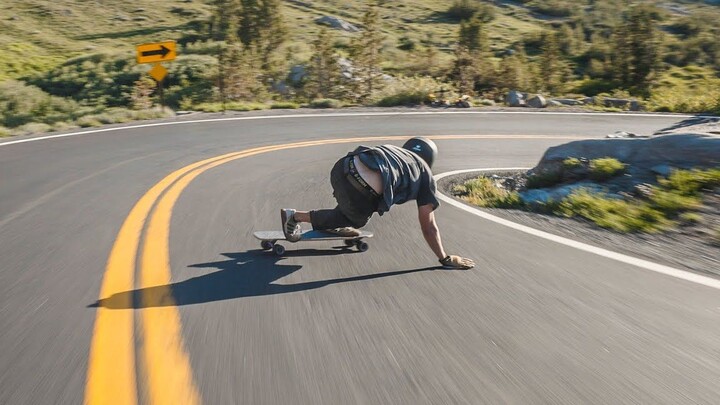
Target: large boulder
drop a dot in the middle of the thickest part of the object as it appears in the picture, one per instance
(681, 151)
(337, 23)
(297, 74)
(568, 101)
(537, 101)
(515, 99)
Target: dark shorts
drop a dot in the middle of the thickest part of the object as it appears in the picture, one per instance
(354, 206)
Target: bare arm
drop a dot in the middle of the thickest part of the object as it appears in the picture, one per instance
(430, 230)
(426, 216)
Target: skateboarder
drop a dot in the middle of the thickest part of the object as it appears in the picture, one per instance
(373, 179)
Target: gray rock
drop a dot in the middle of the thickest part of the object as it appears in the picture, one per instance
(622, 134)
(635, 105)
(515, 99)
(297, 73)
(682, 151)
(567, 101)
(337, 23)
(538, 101)
(616, 102)
(535, 196)
(554, 103)
(662, 170)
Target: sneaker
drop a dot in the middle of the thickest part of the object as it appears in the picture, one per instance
(290, 227)
(345, 232)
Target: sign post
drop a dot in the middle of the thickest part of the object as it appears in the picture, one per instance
(156, 53)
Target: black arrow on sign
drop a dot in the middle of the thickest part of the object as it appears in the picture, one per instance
(163, 51)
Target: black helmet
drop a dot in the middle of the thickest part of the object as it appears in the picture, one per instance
(424, 148)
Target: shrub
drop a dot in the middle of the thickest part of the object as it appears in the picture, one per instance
(690, 182)
(4, 132)
(325, 103)
(690, 218)
(483, 192)
(466, 9)
(21, 104)
(671, 202)
(32, 128)
(284, 105)
(88, 121)
(544, 179)
(615, 214)
(571, 163)
(63, 126)
(409, 91)
(605, 168)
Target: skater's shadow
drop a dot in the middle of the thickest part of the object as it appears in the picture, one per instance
(244, 274)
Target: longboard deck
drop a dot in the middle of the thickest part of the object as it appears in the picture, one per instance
(309, 236)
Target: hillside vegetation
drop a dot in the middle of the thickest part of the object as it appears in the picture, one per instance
(664, 53)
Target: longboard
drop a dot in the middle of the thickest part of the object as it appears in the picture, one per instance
(269, 239)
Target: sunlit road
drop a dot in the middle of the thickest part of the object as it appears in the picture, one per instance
(130, 276)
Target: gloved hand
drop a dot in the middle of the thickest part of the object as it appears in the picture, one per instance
(457, 262)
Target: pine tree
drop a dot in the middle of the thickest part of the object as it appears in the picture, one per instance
(365, 54)
(240, 74)
(472, 59)
(324, 72)
(553, 69)
(260, 27)
(636, 50)
(223, 22)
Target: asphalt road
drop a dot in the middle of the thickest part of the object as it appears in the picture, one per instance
(534, 322)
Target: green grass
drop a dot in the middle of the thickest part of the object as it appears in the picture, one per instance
(605, 168)
(690, 89)
(483, 193)
(673, 201)
(230, 106)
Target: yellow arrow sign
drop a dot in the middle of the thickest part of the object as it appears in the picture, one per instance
(157, 52)
(158, 72)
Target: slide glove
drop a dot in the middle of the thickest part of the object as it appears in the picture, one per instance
(457, 262)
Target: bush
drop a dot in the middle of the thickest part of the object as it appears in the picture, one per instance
(4, 132)
(32, 128)
(409, 91)
(21, 104)
(284, 105)
(605, 168)
(690, 218)
(467, 9)
(483, 192)
(544, 179)
(615, 214)
(325, 103)
(88, 121)
(571, 163)
(690, 182)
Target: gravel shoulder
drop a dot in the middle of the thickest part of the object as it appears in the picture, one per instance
(684, 248)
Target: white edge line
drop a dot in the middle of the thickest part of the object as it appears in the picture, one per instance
(330, 115)
(658, 268)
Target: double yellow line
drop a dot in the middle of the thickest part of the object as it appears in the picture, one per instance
(112, 370)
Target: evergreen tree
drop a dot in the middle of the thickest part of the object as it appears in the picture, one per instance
(636, 50)
(223, 22)
(553, 69)
(365, 53)
(239, 75)
(512, 73)
(324, 72)
(259, 25)
(472, 59)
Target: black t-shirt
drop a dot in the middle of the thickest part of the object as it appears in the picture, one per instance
(405, 175)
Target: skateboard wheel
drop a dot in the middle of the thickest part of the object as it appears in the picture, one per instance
(266, 245)
(363, 246)
(350, 242)
(279, 250)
